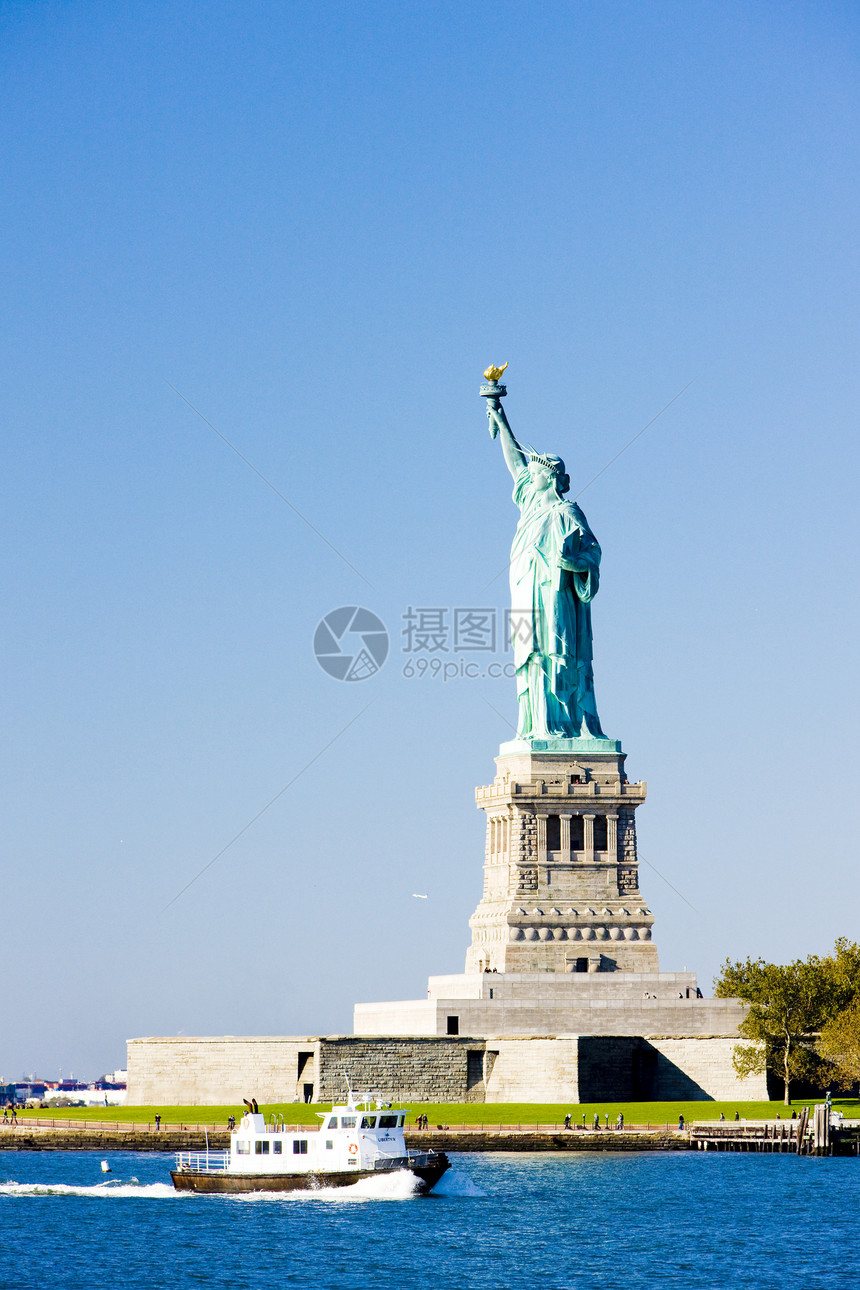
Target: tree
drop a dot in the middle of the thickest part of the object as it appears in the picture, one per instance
(786, 1004)
(788, 1007)
(839, 1044)
(841, 973)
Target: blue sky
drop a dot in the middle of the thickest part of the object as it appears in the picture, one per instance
(319, 223)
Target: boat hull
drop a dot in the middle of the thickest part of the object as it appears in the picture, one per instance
(232, 1184)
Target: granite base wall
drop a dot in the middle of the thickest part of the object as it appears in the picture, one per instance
(619, 1068)
(220, 1070)
(705, 1064)
(417, 1069)
(533, 1070)
(538, 1068)
(213, 1071)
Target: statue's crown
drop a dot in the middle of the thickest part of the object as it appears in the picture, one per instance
(551, 463)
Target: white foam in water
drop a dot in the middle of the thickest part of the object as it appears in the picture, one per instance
(456, 1183)
(400, 1185)
(110, 1190)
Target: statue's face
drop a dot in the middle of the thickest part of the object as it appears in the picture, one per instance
(544, 480)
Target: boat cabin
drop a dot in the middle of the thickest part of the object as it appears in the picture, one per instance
(357, 1136)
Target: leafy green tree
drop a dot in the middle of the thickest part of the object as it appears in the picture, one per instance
(785, 1009)
(839, 1044)
(788, 1007)
(841, 973)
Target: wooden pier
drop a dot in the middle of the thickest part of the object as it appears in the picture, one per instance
(747, 1135)
(809, 1135)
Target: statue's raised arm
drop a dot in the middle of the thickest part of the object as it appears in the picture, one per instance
(494, 392)
(515, 458)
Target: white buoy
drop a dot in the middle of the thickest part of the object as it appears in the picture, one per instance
(105, 1167)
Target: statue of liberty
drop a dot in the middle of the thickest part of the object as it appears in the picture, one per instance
(554, 572)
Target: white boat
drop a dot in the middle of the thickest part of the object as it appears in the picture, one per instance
(358, 1140)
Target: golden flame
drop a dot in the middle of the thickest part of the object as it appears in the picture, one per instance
(493, 373)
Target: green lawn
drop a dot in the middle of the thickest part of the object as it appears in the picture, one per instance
(452, 1114)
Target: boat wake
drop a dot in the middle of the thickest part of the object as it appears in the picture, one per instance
(399, 1185)
(106, 1190)
(456, 1183)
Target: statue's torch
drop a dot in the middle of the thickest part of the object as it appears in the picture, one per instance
(494, 392)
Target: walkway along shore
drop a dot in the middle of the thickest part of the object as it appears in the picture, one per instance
(754, 1135)
(59, 1135)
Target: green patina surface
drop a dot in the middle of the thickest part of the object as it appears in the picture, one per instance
(554, 576)
(569, 747)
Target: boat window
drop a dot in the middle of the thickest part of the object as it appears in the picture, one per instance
(368, 1121)
(243, 1148)
(388, 1121)
(347, 1121)
(402, 1121)
(300, 1146)
(277, 1148)
(329, 1144)
(332, 1124)
(261, 1147)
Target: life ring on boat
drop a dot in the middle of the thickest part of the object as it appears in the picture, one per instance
(353, 1148)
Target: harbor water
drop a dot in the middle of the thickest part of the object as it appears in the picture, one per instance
(497, 1222)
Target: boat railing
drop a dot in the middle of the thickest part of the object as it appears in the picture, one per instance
(421, 1158)
(202, 1162)
(395, 1162)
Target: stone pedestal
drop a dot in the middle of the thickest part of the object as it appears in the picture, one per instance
(562, 984)
(561, 871)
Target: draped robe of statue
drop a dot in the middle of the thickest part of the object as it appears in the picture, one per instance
(551, 615)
